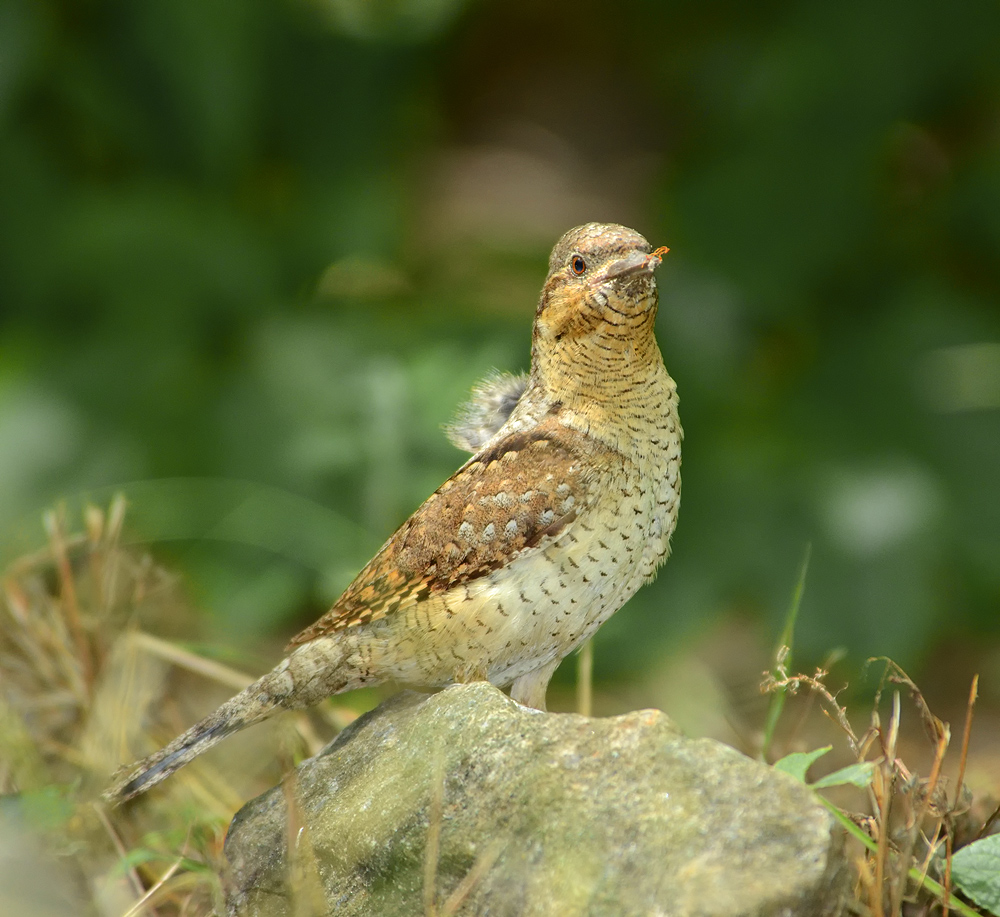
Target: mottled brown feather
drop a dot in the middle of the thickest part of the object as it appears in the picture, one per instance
(537, 480)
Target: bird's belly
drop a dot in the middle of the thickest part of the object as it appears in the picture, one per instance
(541, 605)
(565, 593)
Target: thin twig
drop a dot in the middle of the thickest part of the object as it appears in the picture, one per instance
(930, 884)
(940, 750)
(945, 910)
(884, 793)
(93, 522)
(940, 734)
(116, 841)
(932, 849)
(966, 735)
(949, 838)
(784, 656)
(807, 705)
(27, 562)
(815, 683)
(988, 823)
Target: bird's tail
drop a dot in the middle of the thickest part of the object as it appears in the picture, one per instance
(281, 688)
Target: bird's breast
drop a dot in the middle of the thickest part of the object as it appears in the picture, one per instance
(548, 599)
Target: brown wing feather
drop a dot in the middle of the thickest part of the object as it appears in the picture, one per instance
(505, 500)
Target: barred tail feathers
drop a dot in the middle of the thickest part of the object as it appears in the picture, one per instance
(292, 684)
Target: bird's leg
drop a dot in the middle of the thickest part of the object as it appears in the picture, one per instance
(529, 690)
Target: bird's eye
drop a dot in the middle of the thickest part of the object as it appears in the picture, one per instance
(578, 265)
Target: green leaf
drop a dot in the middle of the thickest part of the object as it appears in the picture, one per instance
(137, 857)
(975, 869)
(798, 762)
(854, 774)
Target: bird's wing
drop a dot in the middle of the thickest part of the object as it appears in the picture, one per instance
(491, 404)
(509, 498)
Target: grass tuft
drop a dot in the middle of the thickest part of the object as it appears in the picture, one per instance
(91, 676)
(912, 825)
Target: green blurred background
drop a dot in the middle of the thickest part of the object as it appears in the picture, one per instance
(254, 254)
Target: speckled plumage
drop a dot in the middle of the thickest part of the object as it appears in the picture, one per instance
(562, 513)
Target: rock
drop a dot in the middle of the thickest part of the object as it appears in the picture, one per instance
(533, 814)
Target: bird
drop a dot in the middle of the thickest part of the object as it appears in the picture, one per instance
(565, 509)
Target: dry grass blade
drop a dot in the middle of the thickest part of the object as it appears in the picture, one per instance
(146, 900)
(585, 679)
(963, 759)
(185, 659)
(54, 524)
(432, 852)
(926, 791)
(309, 899)
(893, 673)
(484, 863)
(882, 786)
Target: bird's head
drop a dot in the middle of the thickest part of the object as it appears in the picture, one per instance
(600, 287)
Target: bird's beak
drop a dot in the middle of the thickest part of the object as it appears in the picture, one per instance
(633, 263)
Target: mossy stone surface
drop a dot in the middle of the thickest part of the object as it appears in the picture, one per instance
(547, 814)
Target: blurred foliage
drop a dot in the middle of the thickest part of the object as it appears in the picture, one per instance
(252, 255)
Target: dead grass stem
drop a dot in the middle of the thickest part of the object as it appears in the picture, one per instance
(907, 836)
